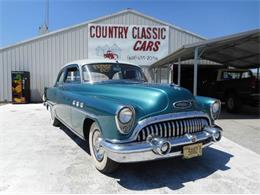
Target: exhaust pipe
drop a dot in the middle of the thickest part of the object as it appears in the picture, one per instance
(160, 146)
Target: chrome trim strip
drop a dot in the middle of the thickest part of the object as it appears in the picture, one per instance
(185, 126)
(165, 129)
(173, 125)
(161, 129)
(191, 126)
(170, 129)
(156, 130)
(90, 115)
(144, 133)
(181, 128)
(196, 125)
(177, 124)
(152, 129)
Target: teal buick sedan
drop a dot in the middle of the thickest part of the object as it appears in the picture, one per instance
(124, 118)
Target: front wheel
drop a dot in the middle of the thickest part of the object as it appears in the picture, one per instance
(232, 103)
(98, 154)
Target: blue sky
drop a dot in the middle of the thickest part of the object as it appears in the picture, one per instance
(20, 19)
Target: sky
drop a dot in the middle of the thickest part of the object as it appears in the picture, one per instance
(20, 19)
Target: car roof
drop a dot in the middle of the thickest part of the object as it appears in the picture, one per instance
(93, 61)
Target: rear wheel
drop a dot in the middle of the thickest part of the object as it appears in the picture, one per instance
(232, 103)
(99, 156)
(54, 121)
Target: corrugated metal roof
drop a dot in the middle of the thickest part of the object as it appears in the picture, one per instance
(237, 50)
(102, 18)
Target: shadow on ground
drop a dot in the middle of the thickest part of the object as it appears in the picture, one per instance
(80, 142)
(246, 112)
(171, 173)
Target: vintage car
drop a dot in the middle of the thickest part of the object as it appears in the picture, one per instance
(125, 119)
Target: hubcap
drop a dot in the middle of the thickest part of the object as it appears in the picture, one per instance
(97, 148)
(230, 103)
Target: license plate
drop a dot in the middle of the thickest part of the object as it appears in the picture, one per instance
(193, 150)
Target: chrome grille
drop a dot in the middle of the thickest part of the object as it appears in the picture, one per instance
(173, 128)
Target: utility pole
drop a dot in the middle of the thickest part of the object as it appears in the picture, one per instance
(44, 28)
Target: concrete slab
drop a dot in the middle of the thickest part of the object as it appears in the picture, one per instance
(36, 157)
(243, 127)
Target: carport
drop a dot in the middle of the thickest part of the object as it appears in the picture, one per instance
(241, 50)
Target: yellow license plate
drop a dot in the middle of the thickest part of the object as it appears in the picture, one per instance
(193, 150)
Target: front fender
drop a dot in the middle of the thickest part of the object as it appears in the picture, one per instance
(103, 112)
(204, 103)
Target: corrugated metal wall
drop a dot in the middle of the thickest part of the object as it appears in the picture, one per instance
(44, 56)
(43, 59)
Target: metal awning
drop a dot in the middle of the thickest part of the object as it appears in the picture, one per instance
(240, 50)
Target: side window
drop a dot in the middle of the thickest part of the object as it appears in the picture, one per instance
(73, 75)
(246, 75)
(61, 77)
(230, 75)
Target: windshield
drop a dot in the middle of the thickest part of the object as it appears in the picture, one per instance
(112, 71)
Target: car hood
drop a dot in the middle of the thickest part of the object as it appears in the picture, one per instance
(149, 98)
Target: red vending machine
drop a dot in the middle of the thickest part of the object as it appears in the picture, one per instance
(20, 87)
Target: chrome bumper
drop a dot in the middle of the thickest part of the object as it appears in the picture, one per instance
(150, 150)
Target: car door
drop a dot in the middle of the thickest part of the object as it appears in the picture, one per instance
(65, 94)
(56, 93)
(77, 112)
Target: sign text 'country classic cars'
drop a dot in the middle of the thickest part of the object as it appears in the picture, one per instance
(139, 44)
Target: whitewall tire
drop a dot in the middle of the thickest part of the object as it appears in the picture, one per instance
(98, 154)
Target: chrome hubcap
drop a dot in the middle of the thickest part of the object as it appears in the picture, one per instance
(97, 148)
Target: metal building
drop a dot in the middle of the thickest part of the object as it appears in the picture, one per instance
(43, 55)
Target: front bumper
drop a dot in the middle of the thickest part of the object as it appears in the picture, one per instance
(148, 150)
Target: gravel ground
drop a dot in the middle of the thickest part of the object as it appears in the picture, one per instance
(36, 157)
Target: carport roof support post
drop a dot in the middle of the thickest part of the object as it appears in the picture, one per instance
(179, 71)
(195, 77)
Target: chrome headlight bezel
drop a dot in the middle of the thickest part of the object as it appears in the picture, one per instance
(124, 127)
(215, 109)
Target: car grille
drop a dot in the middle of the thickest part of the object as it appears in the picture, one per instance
(173, 128)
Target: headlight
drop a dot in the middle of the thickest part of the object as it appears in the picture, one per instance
(215, 109)
(125, 119)
(125, 115)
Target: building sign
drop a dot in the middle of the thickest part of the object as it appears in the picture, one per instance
(142, 45)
